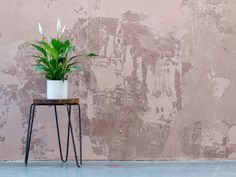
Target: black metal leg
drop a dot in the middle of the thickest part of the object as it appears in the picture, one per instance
(28, 129)
(29, 132)
(72, 135)
(59, 139)
(80, 135)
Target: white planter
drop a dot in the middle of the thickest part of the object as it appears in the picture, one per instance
(57, 89)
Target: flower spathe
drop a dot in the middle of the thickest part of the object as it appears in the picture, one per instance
(58, 26)
(63, 29)
(40, 29)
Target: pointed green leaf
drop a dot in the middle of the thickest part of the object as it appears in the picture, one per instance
(40, 49)
(66, 43)
(57, 44)
(71, 64)
(39, 67)
(91, 55)
(77, 67)
(53, 53)
(73, 57)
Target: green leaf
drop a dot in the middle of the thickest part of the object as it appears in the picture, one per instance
(62, 55)
(53, 63)
(71, 64)
(67, 48)
(53, 53)
(71, 48)
(57, 44)
(41, 59)
(38, 57)
(39, 67)
(66, 43)
(77, 67)
(73, 57)
(44, 61)
(61, 60)
(91, 55)
(40, 49)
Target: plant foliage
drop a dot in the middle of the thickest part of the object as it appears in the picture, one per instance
(56, 58)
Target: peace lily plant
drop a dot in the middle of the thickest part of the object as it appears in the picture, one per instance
(56, 59)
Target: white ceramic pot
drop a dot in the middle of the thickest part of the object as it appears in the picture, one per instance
(57, 89)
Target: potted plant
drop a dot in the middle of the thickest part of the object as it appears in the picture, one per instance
(56, 59)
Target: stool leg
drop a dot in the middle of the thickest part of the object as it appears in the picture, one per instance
(80, 134)
(27, 139)
(72, 135)
(29, 132)
(59, 139)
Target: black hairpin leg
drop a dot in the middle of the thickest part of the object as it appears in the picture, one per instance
(72, 135)
(80, 134)
(59, 139)
(29, 132)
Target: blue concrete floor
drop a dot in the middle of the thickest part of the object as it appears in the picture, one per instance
(120, 169)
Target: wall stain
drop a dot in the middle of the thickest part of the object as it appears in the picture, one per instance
(190, 137)
(117, 127)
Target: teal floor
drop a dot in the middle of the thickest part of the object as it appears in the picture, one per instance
(120, 169)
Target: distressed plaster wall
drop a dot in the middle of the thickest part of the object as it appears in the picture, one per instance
(162, 88)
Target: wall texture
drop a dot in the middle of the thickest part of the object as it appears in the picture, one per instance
(162, 88)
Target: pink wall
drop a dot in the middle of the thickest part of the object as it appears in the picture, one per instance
(162, 88)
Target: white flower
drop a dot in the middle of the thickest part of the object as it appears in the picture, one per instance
(40, 29)
(63, 29)
(58, 25)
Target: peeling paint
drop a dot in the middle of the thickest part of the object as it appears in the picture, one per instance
(220, 85)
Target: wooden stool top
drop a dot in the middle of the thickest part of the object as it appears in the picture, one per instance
(45, 101)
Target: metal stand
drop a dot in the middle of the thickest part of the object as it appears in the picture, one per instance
(69, 132)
